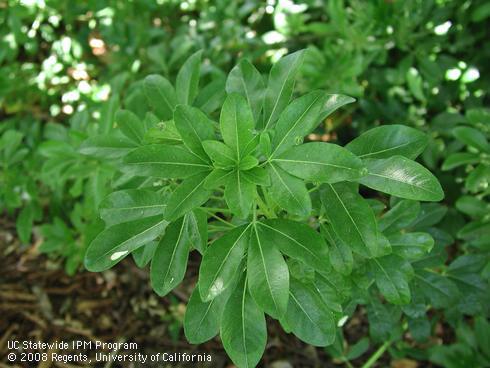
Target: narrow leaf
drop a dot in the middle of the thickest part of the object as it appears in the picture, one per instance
(161, 96)
(351, 217)
(194, 127)
(189, 194)
(298, 241)
(221, 262)
(389, 140)
(246, 80)
(280, 87)
(116, 242)
(164, 162)
(188, 79)
(321, 162)
(402, 177)
(170, 259)
(131, 126)
(243, 329)
(289, 192)
(267, 273)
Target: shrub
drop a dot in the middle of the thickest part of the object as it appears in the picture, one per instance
(290, 234)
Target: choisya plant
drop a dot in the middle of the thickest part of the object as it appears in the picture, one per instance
(280, 224)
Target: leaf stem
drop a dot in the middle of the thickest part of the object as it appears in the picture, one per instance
(220, 219)
(377, 354)
(216, 209)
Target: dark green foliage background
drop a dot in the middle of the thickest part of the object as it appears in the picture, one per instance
(66, 67)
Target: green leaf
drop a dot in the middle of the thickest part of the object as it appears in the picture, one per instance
(388, 140)
(392, 274)
(117, 241)
(298, 241)
(222, 155)
(24, 223)
(187, 81)
(198, 229)
(399, 216)
(161, 96)
(107, 146)
(221, 261)
(164, 162)
(143, 255)
(308, 316)
(340, 254)
(321, 162)
(280, 87)
(131, 126)
(267, 273)
(211, 96)
(402, 177)
(411, 246)
(217, 178)
(239, 194)
(289, 192)
(334, 102)
(351, 217)
(248, 163)
(246, 80)
(131, 204)
(170, 259)
(236, 123)
(202, 319)
(194, 127)
(190, 194)
(472, 206)
(458, 159)
(438, 289)
(257, 175)
(472, 138)
(296, 121)
(164, 132)
(243, 330)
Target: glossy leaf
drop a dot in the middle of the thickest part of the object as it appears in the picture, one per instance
(164, 162)
(308, 317)
(297, 120)
(116, 242)
(403, 178)
(351, 217)
(321, 162)
(472, 138)
(340, 254)
(188, 79)
(169, 262)
(202, 319)
(236, 124)
(289, 192)
(161, 95)
(389, 140)
(392, 274)
(411, 246)
(131, 204)
(243, 329)
(246, 80)
(131, 126)
(239, 194)
(280, 87)
(220, 153)
(221, 261)
(143, 255)
(194, 127)
(267, 273)
(298, 241)
(190, 194)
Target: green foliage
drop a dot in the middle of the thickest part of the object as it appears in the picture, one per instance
(122, 135)
(264, 256)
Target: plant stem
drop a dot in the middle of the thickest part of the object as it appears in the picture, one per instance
(377, 354)
(216, 209)
(220, 219)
